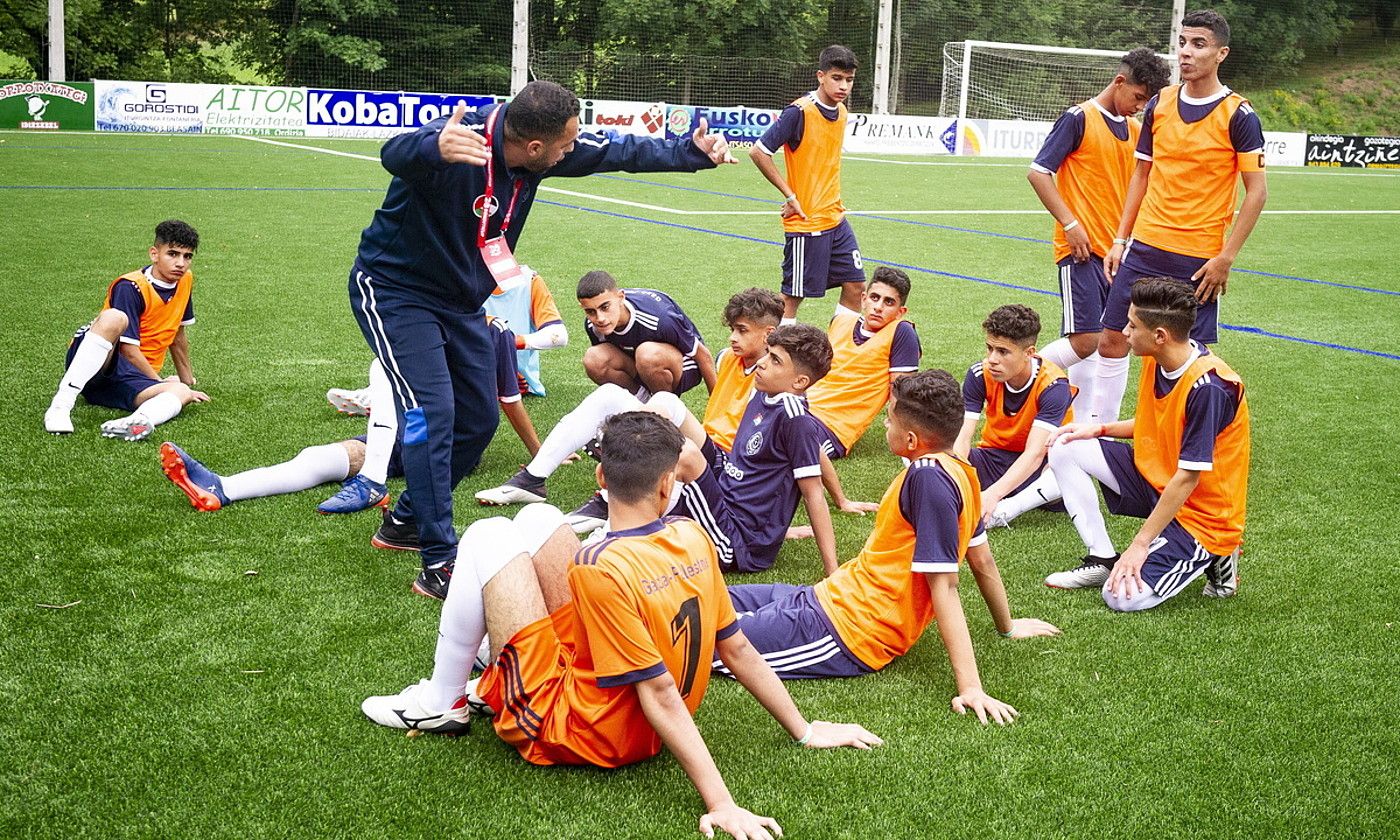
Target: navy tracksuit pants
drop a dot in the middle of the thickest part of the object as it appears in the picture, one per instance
(441, 363)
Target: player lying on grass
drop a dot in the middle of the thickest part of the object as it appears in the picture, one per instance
(745, 499)
(601, 655)
(1186, 471)
(875, 607)
(641, 339)
(1026, 399)
(115, 361)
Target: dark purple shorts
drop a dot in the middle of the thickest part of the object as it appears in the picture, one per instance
(815, 262)
(786, 624)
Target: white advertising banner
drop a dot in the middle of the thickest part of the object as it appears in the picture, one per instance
(249, 109)
(148, 107)
(894, 135)
(644, 119)
(1285, 148)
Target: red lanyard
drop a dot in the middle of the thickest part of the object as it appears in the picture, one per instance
(489, 196)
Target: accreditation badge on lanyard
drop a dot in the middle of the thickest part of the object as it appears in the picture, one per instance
(495, 252)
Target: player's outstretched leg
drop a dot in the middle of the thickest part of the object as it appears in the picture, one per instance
(203, 486)
(155, 410)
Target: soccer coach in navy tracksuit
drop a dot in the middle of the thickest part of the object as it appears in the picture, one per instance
(461, 191)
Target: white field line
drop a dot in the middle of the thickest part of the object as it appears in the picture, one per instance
(1292, 170)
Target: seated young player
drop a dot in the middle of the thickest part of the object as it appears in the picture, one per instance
(1026, 398)
(600, 655)
(640, 339)
(115, 361)
(527, 307)
(875, 607)
(1186, 472)
(871, 351)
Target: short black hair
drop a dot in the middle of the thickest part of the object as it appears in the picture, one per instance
(540, 111)
(808, 346)
(636, 448)
(762, 306)
(594, 283)
(1014, 322)
(1144, 67)
(931, 403)
(1212, 20)
(894, 278)
(839, 57)
(1167, 303)
(176, 232)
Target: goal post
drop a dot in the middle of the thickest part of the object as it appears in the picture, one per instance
(997, 80)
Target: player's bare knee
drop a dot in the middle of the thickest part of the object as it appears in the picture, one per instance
(1113, 344)
(110, 324)
(355, 453)
(691, 465)
(1084, 344)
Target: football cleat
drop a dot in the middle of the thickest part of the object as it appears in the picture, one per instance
(395, 535)
(588, 516)
(58, 419)
(356, 494)
(130, 427)
(1091, 572)
(521, 489)
(203, 486)
(1223, 576)
(354, 403)
(478, 706)
(483, 656)
(433, 583)
(405, 711)
(999, 518)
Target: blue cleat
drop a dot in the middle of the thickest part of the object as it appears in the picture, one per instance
(356, 494)
(204, 487)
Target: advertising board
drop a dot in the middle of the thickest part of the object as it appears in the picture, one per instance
(46, 106)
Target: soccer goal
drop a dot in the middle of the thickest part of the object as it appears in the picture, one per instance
(990, 80)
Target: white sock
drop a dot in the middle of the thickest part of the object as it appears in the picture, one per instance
(1061, 352)
(312, 466)
(1109, 386)
(1043, 490)
(786, 321)
(161, 408)
(1084, 376)
(1076, 465)
(485, 548)
(579, 427)
(87, 362)
(383, 428)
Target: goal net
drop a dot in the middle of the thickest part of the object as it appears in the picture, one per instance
(988, 80)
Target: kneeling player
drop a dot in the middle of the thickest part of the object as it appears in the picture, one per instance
(1186, 472)
(601, 653)
(115, 361)
(875, 607)
(641, 339)
(1026, 398)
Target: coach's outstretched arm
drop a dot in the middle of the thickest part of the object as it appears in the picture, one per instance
(608, 153)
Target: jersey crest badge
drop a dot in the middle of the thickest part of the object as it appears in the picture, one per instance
(753, 444)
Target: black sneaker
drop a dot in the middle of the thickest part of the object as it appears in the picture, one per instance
(395, 535)
(594, 449)
(433, 583)
(521, 489)
(588, 516)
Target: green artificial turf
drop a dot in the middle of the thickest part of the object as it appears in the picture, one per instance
(207, 677)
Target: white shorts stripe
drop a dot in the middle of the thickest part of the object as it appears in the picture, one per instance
(695, 503)
(1067, 299)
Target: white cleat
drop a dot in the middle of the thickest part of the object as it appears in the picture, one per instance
(354, 403)
(1223, 576)
(131, 427)
(1090, 573)
(404, 711)
(58, 420)
(999, 518)
(478, 706)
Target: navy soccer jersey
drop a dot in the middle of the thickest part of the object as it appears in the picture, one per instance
(787, 130)
(652, 316)
(1210, 407)
(777, 443)
(1246, 132)
(1054, 401)
(126, 298)
(1068, 132)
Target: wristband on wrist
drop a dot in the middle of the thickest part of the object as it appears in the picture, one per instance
(789, 198)
(1117, 241)
(1073, 223)
(807, 736)
(1103, 430)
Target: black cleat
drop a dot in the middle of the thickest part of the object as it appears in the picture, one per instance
(395, 535)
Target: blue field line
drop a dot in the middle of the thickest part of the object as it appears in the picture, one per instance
(976, 232)
(983, 280)
(188, 189)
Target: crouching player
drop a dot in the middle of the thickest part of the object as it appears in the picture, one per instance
(875, 607)
(601, 654)
(1026, 398)
(1186, 472)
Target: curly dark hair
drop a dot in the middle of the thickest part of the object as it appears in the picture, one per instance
(594, 283)
(1212, 20)
(1014, 322)
(1167, 303)
(808, 346)
(540, 111)
(1144, 67)
(894, 278)
(636, 449)
(760, 306)
(931, 403)
(176, 232)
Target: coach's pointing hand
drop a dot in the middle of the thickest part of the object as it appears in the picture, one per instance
(457, 144)
(713, 145)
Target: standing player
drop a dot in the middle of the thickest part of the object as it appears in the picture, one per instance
(1197, 137)
(1186, 471)
(601, 654)
(820, 251)
(640, 339)
(1081, 176)
(875, 607)
(1027, 398)
(870, 351)
(115, 361)
(442, 241)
